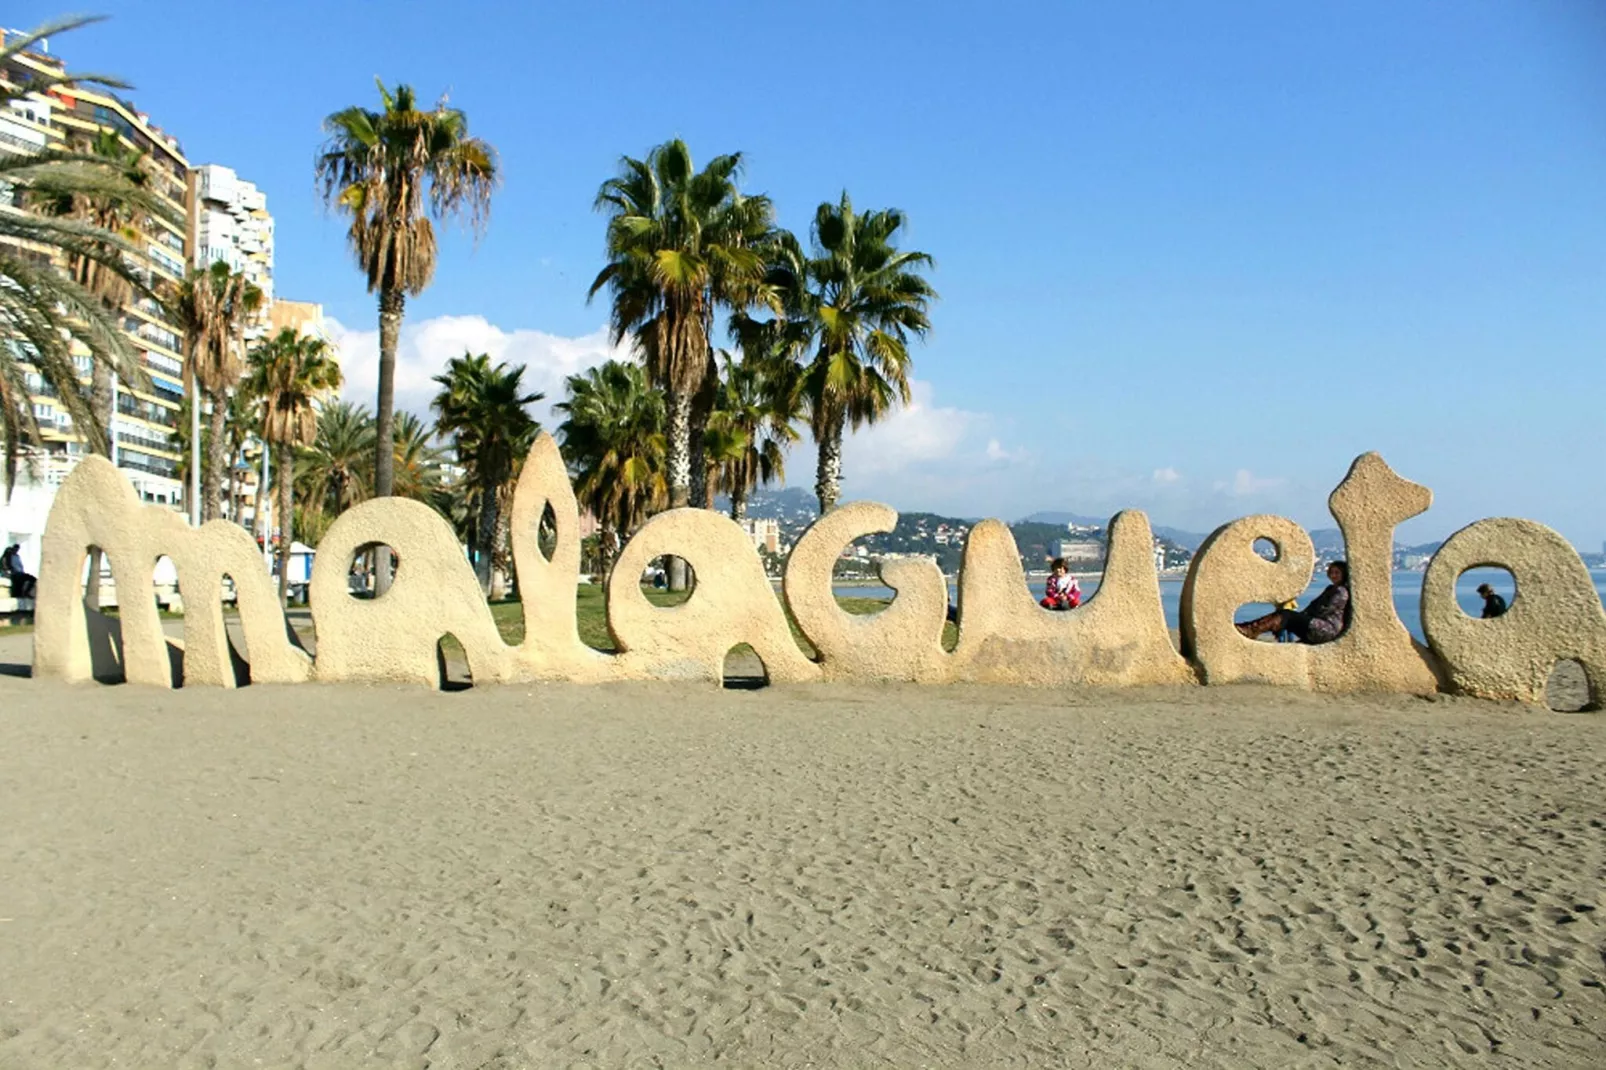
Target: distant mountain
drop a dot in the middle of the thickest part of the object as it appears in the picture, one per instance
(1061, 519)
(1329, 542)
(1188, 540)
(788, 503)
(796, 507)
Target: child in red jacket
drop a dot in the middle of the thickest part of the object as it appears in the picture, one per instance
(1063, 591)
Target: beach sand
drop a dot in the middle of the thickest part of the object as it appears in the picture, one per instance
(634, 876)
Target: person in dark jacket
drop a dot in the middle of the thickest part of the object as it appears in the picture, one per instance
(1493, 604)
(1320, 622)
(22, 584)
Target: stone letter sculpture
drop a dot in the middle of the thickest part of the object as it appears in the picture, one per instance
(732, 602)
(551, 649)
(395, 636)
(96, 507)
(1556, 614)
(1375, 653)
(1118, 638)
(901, 642)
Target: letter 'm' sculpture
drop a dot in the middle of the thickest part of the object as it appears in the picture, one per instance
(1118, 638)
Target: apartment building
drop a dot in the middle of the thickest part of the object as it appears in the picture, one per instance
(765, 533)
(145, 418)
(232, 224)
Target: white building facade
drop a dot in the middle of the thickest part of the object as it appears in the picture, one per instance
(232, 224)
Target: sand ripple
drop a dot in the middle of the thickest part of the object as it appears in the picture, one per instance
(649, 876)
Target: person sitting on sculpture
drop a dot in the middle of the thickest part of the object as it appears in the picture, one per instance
(23, 585)
(1062, 592)
(1320, 622)
(1493, 604)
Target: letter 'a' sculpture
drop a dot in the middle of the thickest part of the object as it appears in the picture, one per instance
(1118, 638)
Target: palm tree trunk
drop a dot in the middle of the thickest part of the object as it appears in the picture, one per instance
(212, 493)
(234, 490)
(485, 552)
(193, 391)
(259, 518)
(607, 546)
(828, 474)
(702, 406)
(392, 305)
(100, 379)
(286, 532)
(499, 555)
(678, 450)
(738, 502)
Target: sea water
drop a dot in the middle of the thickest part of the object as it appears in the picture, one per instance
(1407, 594)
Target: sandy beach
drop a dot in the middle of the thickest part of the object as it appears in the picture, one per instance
(634, 876)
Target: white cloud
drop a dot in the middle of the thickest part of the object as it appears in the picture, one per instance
(1245, 483)
(918, 433)
(1167, 475)
(999, 455)
(426, 346)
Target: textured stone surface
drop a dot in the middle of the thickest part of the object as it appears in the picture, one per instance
(1117, 637)
(394, 636)
(96, 507)
(551, 649)
(1375, 653)
(1226, 573)
(902, 642)
(1556, 614)
(732, 603)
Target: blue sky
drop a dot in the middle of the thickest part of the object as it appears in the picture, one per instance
(1193, 257)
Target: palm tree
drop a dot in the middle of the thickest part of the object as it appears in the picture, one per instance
(390, 170)
(336, 470)
(241, 426)
(863, 299)
(753, 423)
(213, 305)
(613, 438)
(288, 373)
(115, 214)
(681, 243)
(45, 311)
(182, 441)
(418, 459)
(483, 408)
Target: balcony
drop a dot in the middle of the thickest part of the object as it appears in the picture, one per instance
(150, 332)
(145, 410)
(156, 362)
(162, 393)
(156, 466)
(143, 439)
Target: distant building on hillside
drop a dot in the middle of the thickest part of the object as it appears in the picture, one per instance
(766, 534)
(1078, 553)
